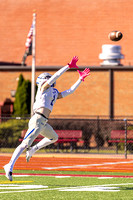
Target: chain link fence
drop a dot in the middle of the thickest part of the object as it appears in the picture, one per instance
(96, 134)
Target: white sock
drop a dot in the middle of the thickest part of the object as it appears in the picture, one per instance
(43, 143)
(16, 155)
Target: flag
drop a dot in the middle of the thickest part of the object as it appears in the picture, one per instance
(28, 45)
(29, 38)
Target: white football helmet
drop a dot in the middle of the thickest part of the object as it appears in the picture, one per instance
(43, 78)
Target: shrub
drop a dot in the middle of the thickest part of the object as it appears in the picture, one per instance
(22, 103)
(10, 132)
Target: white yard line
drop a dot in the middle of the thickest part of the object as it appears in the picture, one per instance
(89, 165)
(102, 188)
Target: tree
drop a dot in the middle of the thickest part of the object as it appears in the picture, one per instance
(23, 97)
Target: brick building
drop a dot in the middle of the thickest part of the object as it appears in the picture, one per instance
(94, 97)
(64, 29)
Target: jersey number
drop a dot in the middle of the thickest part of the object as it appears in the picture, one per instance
(52, 100)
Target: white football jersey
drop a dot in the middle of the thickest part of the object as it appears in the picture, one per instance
(46, 99)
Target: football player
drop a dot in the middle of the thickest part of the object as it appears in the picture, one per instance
(46, 97)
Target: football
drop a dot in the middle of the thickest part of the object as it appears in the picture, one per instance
(115, 35)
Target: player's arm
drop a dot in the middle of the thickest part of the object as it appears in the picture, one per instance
(82, 76)
(52, 80)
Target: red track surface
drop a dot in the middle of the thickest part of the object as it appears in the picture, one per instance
(71, 163)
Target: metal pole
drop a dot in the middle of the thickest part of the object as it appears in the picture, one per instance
(98, 145)
(111, 94)
(33, 63)
(125, 138)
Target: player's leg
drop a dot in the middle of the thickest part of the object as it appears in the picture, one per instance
(31, 134)
(50, 136)
(9, 167)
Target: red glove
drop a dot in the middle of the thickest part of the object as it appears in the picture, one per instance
(84, 74)
(72, 64)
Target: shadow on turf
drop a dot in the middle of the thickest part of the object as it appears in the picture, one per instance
(126, 188)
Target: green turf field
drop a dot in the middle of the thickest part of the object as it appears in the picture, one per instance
(66, 187)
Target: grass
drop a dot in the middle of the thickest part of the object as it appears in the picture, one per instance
(66, 188)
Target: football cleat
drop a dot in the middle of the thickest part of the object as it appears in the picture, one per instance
(29, 153)
(8, 172)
